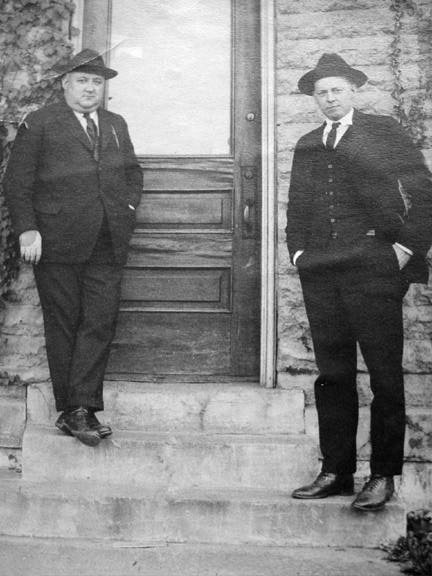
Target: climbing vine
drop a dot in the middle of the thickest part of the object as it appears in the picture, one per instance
(411, 112)
(35, 34)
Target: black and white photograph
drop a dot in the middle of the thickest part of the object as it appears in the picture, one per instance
(215, 287)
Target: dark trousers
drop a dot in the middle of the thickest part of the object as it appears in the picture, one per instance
(80, 305)
(355, 296)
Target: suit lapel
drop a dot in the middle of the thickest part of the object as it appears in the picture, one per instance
(107, 131)
(353, 141)
(71, 124)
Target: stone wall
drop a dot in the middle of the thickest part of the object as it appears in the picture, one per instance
(391, 42)
(34, 37)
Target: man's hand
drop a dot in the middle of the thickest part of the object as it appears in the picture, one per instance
(402, 256)
(297, 256)
(31, 246)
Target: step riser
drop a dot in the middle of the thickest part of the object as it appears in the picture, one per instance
(176, 462)
(195, 407)
(177, 520)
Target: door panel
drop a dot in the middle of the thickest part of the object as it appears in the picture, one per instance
(190, 297)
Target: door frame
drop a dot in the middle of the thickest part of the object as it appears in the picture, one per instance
(268, 328)
(268, 352)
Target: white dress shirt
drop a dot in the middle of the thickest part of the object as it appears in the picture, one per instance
(345, 123)
(93, 115)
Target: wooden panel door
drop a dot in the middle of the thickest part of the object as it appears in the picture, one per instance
(190, 295)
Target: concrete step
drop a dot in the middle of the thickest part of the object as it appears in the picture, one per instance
(210, 407)
(58, 557)
(94, 510)
(180, 460)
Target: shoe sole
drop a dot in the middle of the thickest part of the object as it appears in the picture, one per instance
(360, 508)
(63, 428)
(104, 434)
(320, 496)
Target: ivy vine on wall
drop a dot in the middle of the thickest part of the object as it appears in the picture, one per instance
(34, 35)
(410, 111)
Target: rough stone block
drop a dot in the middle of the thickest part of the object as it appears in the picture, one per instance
(303, 53)
(336, 24)
(22, 319)
(416, 485)
(301, 6)
(12, 415)
(86, 510)
(24, 287)
(418, 355)
(11, 459)
(172, 460)
(418, 445)
(215, 408)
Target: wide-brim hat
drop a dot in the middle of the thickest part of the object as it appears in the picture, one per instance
(330, 65)
(85, 61)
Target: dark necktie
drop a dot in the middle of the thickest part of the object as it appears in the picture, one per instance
(93, 135)
(331, 138)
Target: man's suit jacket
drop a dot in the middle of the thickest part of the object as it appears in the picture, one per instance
(54, 185)
(384, 185)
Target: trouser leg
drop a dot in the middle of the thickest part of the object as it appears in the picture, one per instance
(100, 295)
(335, 389)
(375, 312)
(59, 292)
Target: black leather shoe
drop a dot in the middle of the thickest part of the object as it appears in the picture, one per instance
(77, 423)
(375, 493)
(102, 429)
(61, 424)
(326, 484)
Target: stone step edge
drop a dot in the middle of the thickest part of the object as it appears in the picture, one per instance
(186, 437)
(113, 544)
(85, 490)
(176, 387)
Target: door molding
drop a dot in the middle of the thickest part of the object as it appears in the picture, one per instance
(269, 204)
(95, 26)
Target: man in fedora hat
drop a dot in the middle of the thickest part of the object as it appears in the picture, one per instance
(359, 225)
(72, 186)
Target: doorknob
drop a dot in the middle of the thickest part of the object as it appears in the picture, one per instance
(247, 212)
(249, 191)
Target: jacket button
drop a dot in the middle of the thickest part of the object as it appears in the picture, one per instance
(329, 165)
(332, 220)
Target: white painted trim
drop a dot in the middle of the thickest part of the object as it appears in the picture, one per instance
(268, 227)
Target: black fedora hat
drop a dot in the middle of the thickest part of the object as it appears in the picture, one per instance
(330, 65)
(85, 61)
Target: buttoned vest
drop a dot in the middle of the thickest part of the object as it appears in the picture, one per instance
(338, 212)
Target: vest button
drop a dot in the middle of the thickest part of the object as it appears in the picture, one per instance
(332, 220)
(329, 165)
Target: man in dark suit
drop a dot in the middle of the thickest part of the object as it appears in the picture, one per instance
(72, 186)
(359, 225)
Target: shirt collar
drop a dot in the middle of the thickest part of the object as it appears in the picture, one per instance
(80, 115)
(346, 120)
